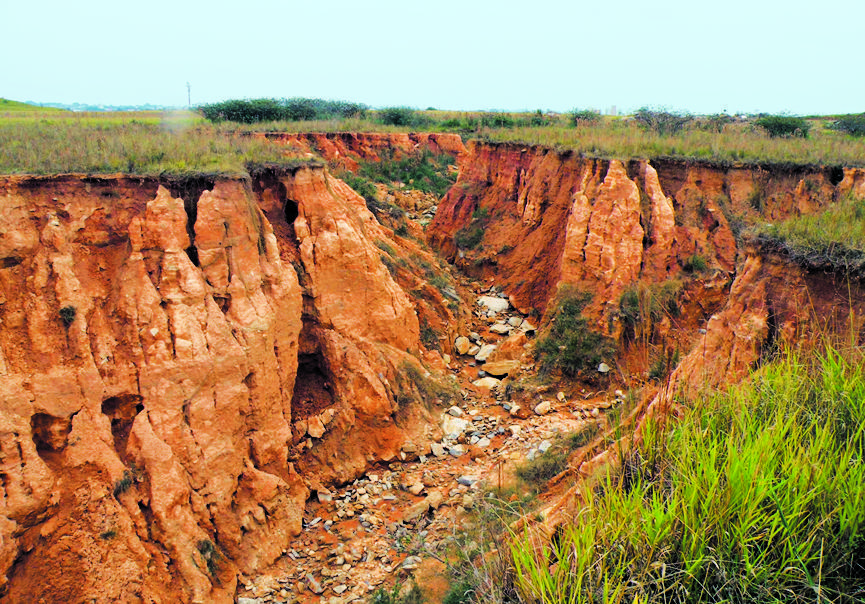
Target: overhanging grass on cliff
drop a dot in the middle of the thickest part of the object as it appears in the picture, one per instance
(755, 496)
(109, 143)
(833, 239)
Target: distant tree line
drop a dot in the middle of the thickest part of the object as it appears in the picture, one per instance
(297, 109)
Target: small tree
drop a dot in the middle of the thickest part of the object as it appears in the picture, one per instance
(665, 123)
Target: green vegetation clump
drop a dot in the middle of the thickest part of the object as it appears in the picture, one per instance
(415, 384)
(400, 116)
(695, 263)
(426, 172)
(754, 496)
(585, 117)
(124, 483)
(396, 595)
(569, 344)
(833, 239)
(854, 125)
(253, 111)
(67, 315)
(784, 126)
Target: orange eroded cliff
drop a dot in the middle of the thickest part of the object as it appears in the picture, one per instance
(347, 148)
(180, 361)
(548, 217)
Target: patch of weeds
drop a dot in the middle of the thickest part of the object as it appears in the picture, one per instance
(569, 344)
(124, 483)
(664, 364)
(428, 336)
(67, 315)
(471, 235)
(108, 535)
(385, 247)
(426, 172)
(695, 264)
(211, 555)
(413, 384)
(757, 199)
(401, 229)
(396, 595)
(460, 592)
(642, 307)
(537, 472)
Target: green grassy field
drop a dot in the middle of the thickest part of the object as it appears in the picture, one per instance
(147, 143)
(42, 141)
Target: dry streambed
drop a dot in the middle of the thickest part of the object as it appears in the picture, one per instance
(380, 529)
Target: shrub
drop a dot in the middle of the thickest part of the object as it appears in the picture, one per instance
(584, 117)
(399, 116)
(854, 125)
(569, 344)
(537, 472)
(784, 126)
(664, 123)
(295, 109)
(67, 315)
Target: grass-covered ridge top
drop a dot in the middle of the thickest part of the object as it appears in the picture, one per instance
(146, 145)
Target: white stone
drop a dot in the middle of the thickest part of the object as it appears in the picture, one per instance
(485, 351)
(487, 382)
(454, 425)
(543, 407)
(501, 329)
(494, 304)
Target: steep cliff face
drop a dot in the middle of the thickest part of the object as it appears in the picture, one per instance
(180, 362)
(547, 217)
(347, 148)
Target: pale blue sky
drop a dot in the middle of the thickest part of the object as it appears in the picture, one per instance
(798, 57)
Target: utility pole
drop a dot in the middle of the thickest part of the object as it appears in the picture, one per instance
(188, 95)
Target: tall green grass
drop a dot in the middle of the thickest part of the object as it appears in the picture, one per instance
(755, 496)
